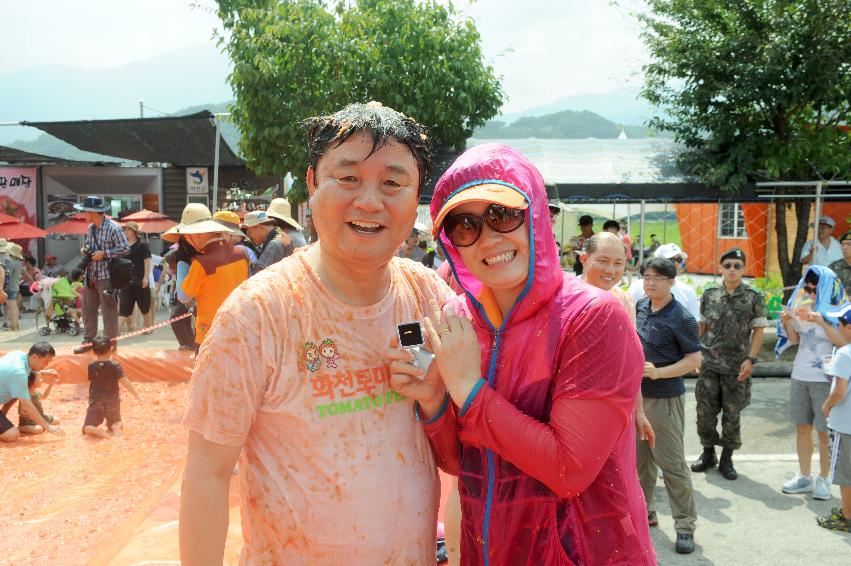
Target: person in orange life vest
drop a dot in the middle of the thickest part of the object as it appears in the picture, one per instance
(216, 267)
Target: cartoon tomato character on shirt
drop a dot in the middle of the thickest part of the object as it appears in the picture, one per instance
(328, 350)
(310, 354)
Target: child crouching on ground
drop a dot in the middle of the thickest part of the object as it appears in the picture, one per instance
(837, 409)
(29, 426)
(104, 402)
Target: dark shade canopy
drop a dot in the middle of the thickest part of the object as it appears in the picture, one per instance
(14, 156)
(650, 192)
(181, 140)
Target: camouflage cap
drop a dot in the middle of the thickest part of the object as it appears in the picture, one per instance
(733, 253)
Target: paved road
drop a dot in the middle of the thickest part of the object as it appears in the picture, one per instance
(747, 521)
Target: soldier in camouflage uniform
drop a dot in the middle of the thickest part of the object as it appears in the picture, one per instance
(842, 267)
(731, 335)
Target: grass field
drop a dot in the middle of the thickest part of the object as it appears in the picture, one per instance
(668, 233)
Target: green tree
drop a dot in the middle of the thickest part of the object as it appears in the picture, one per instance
(755, 90)
(298, 58)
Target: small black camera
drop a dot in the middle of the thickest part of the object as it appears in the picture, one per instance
(411, 338)
(410, 334)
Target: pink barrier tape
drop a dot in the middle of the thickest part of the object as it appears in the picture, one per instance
(134, 333)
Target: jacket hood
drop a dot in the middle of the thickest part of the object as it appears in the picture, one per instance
(496, 163)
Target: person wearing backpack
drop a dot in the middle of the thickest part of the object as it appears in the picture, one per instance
(104, 241)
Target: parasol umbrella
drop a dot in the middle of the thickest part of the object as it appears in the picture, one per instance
(20, 231)
(76, 225)
(150, 222)
(6, 218)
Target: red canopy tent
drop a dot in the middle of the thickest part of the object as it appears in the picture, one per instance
(76, 225)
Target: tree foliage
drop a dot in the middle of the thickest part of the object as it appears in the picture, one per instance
(755, 90)
(298, 58)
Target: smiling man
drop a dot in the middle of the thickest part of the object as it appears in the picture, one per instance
(294, 374)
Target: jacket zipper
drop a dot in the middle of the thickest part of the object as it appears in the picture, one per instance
(490, 460)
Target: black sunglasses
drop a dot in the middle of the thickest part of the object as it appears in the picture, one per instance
(464, 229)
(733, 265)
(810, 290)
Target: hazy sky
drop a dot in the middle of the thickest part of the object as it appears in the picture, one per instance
(544, 49)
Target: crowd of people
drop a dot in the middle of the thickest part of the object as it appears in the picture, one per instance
(555, 397)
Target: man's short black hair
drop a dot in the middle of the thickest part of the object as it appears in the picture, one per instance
(381, 123)
(611, 224)
(101, 345)
(663, 266)
(585, 220)
(41, 349)
(811, 277)
(76, 274)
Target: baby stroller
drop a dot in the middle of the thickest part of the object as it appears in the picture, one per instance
(58, 313)
(61, 320)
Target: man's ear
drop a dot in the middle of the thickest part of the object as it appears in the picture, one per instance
(310, 180)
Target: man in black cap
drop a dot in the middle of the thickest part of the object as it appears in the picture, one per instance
(842, 267)
(104, 240)
(733, 321)
(586, 230)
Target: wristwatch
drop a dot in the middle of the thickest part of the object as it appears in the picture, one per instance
(753, 360)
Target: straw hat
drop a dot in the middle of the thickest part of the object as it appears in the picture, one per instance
(5, 246)
(16, 251)
(280, 208)
(132, 225)
(197, 219)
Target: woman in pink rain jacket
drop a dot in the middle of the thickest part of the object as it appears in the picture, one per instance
(542, 380)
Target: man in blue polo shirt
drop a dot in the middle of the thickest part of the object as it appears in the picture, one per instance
(15, 368)
(671, 349)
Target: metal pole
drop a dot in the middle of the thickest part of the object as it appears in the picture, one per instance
(815, 224)
(717, 238)
(769, 212)
(665, 225)
(641, 235)
(141, 108)
(215, 204)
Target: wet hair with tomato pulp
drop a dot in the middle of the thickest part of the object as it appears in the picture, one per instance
(381, 123)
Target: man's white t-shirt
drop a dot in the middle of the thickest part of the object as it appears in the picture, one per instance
(839, 418)
(824, 256)
(682, 292)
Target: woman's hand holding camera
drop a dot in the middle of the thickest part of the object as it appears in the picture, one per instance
(457, 353)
